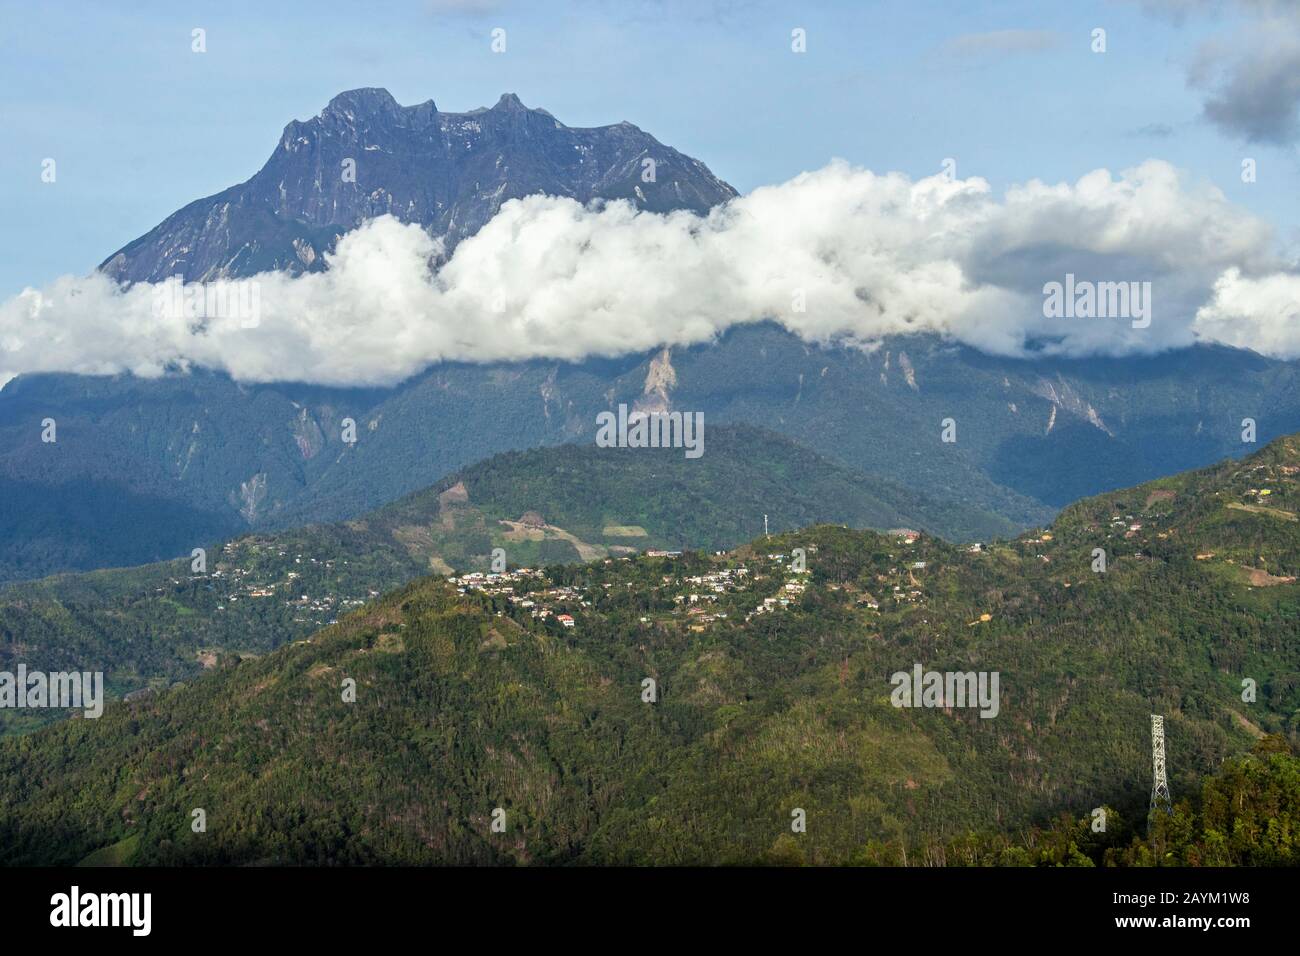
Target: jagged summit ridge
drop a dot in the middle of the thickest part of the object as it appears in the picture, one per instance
(448, 172)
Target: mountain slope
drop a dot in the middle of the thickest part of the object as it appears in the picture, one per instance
(160, 464)
(773, 695)
(152, 625)
(448, 172)
(1031, 436)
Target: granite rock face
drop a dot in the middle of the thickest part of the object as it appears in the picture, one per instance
(365, 155)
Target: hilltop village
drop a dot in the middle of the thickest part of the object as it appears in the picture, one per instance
(695, 591)
(313, 591)
(254, 578)
(695, 598)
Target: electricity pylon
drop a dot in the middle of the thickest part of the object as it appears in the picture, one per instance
(1160, 784)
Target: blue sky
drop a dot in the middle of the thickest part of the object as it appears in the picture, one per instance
(139, 125)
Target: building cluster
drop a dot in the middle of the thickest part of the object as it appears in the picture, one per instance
(789, 593)
(239, 584)
(902, 585)
(519, 587)
(715, 582)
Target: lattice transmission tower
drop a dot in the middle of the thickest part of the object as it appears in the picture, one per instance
(1160, 783)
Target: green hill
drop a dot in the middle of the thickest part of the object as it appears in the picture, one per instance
(773, 696)
(150, 626)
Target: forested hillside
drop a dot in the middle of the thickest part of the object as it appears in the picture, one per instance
(526, 693)
(154, 625)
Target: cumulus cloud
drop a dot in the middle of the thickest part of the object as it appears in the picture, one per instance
(1250, 78)
(1252, 82)
(841, 254)
(1261, 314)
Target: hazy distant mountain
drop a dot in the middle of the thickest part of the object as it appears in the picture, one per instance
(201, 457)
(449, 172)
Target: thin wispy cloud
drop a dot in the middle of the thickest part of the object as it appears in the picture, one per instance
(1155, 130)
(1002, 43)
(1179, 11)
(464, 8)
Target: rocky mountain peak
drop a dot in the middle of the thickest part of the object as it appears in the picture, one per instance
(369, 99)
(365, 155)
(509, 101)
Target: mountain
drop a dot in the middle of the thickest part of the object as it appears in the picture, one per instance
(211, 457)
(773, 694)
(367, 156)
(144, 469)
(153, 625)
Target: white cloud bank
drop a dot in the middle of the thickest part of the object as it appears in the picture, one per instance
(868, 255)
